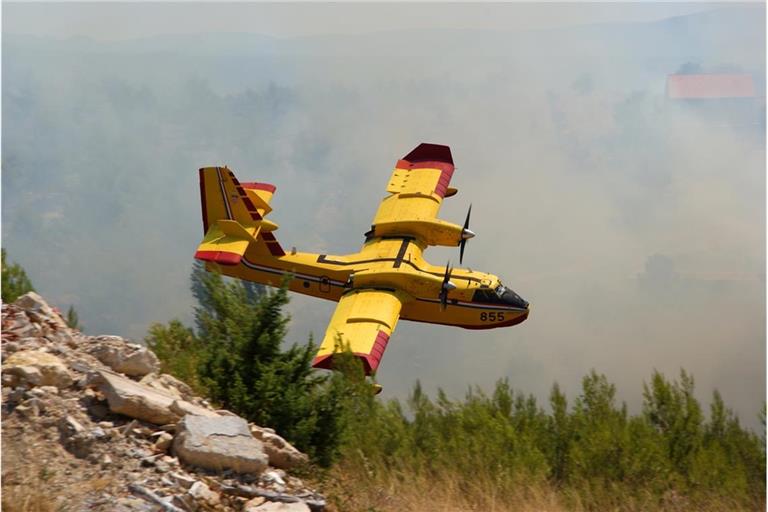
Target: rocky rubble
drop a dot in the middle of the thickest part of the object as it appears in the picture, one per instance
(89, 423)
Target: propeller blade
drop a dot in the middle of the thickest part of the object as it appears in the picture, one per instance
(446, 286)
(466, 234)
(466, 221)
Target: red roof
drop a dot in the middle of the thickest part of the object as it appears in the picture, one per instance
(681, 87)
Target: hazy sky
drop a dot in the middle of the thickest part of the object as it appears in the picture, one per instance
(633, 224)
(121, 20)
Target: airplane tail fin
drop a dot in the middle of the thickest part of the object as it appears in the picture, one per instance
(233, 217)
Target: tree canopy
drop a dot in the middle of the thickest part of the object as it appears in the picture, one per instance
(237, 355)
(15, 282)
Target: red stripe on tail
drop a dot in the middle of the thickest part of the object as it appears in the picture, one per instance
(220, 257)
(260, 186)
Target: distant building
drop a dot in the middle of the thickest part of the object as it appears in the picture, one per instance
(725, 99)
(710, 86)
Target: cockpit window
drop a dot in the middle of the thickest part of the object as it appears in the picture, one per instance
(499, 294)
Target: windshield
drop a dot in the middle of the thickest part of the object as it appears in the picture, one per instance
(500, 290)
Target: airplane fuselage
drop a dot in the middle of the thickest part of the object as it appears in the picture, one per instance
(479, 301)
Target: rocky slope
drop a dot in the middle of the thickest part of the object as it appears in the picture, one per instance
(89, 423)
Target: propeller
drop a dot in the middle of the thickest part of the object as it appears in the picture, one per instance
(466, 234)
(446, 286)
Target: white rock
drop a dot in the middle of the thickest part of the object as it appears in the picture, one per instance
(274, 506)
(52, 390)
(163, 442)
(135, 400)
(182, 480)
(219, 443)
(37, 368)
(123, 357)
(169, 384)
(72, 425)
(273, 477)
(202, 492)
(39, 311)
(281, 453)
(183, 408)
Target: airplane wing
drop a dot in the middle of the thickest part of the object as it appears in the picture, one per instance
(418, 185)
(365, 320)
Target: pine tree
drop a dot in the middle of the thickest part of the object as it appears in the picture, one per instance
(73, 320)
(236, 355)
(179, 351)
(15, 282)
(675, 413)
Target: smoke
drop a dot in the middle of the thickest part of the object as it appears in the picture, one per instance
(635, 226)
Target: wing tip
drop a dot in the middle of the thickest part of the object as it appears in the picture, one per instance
(370, 361)
(427, 152)
(325, 362)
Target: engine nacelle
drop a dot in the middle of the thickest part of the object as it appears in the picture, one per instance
(432, 231)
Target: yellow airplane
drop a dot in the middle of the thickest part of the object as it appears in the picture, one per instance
(387, 280)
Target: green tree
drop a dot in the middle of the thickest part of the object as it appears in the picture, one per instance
(594, 453)
(73, 320)
(237, 356)
(599, 433)
(15, 282)
(559, 431)
(675, 413)
(179, 351)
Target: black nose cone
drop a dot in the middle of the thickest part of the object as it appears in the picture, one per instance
(514, 299)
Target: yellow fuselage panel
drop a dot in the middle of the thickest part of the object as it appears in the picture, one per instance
(400, 263)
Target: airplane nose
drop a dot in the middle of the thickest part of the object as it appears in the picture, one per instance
(514, 299)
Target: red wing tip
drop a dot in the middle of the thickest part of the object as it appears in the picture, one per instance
(323, 362)
(426, 152)
(259, 186)
(326, 362)
(220, 257)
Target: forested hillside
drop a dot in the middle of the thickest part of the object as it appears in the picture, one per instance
(504, 451)
(497, 450)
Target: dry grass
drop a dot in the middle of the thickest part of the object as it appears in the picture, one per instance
(26, 493)
(354, 489)
(32, 492)
(350, 489)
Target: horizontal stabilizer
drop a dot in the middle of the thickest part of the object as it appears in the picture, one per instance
(236, 230)
(225, 242)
